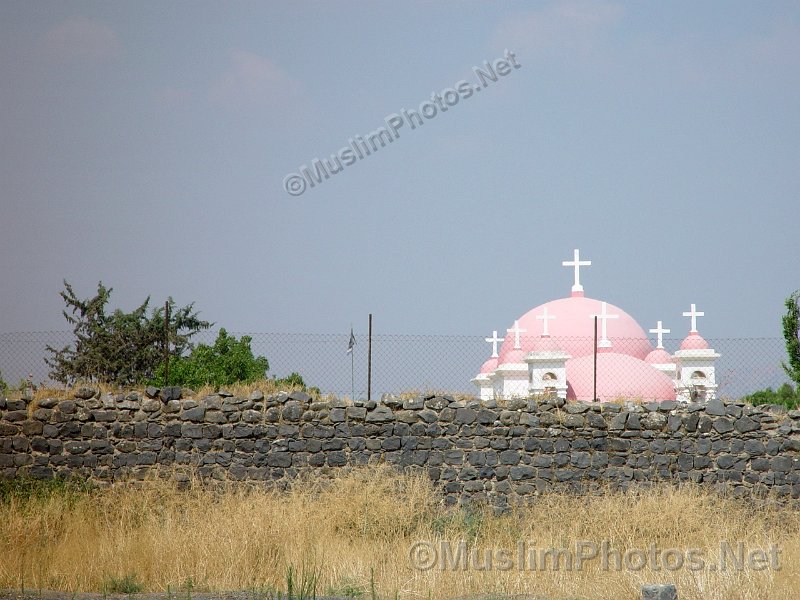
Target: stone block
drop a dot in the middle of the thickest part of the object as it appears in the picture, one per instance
(84, 393)
(195, 414)
(380, 414)
(436, 403)
(573, 420)
(746, 424)
(465, 416)
(723, 425)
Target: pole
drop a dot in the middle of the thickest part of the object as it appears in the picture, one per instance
(352, 376)
(594, 378)
(166, 343)
(369, 361)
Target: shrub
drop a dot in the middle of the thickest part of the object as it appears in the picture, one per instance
(294, 380)
(791, 331)
(227, 362)
(25, 489)
(128, 584)
(785, 395)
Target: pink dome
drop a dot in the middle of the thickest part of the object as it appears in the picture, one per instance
(573, 329)
(509, 355)
(619, 376)
(694, 341)
(489, 366)
(659, 356)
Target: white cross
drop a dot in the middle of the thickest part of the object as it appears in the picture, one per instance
(603, 316)
(577, 263)
(516, 331)
(694, 314)
(545, 317)
(493, 340)
(660, 331)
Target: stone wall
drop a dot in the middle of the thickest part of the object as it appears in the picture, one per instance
(474, 450)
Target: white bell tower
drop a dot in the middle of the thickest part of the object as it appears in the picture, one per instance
(547, 364)
(695, 363)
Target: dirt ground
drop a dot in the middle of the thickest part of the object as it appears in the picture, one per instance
(180, 595)
(246, 595)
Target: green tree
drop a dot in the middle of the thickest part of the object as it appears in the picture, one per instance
(791, 331)
(120, 348)
(227, 362)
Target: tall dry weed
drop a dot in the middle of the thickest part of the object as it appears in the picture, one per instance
(366, 521)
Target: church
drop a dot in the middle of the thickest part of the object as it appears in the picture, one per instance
(579, 348)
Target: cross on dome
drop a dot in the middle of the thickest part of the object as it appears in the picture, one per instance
(577, 263)
(604, 316)
(693, 313)
(493, 341)
(660, 331)
(516, 331)
(545, 326)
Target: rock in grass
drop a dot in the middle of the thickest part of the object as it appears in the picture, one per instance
(659, 592)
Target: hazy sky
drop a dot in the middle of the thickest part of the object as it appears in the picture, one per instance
(145, 145)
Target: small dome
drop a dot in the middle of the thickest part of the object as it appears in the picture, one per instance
(509, 355)
(694, 341)
(489, 366)
(619, 376)
(659, 356)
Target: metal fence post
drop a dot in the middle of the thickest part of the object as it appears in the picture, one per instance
(166, 343)
(369, 361)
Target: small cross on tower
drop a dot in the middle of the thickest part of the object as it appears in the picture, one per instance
(660, 331)
(604, 316)
(493, 341)
(516, 331)
(577, 263)
(546, 318)
(693, 313)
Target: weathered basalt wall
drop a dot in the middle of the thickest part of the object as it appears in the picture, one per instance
(473, 450)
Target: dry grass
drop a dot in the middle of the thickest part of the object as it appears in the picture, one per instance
(266, 386)
(239, 389)
(430, 391)
(368, 520)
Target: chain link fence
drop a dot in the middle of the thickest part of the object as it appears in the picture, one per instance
(405, 363)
